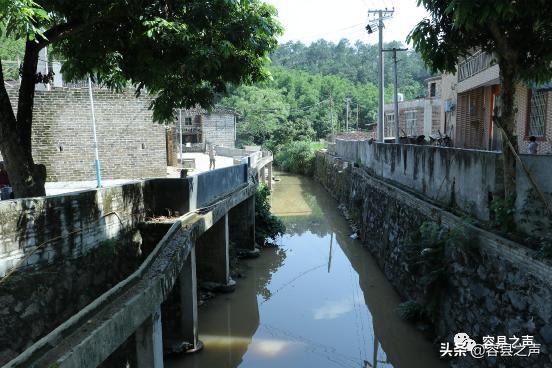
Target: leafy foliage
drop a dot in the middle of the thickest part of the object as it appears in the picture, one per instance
(503, 210)
(356, 63)
(429, 255)
(183, 52)
(267, 226)
(537, 217)
(304, 99)
(297, 157)
(518, 33)
(411, 311)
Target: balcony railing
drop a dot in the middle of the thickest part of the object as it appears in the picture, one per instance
(191, 129)
(473, 65)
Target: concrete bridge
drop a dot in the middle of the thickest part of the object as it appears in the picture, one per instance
(261, 161)
(217, 207)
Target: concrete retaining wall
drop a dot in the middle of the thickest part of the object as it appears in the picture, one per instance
(463, 178)
(503, 290)
(69, 249)
(217, 183)
(39, 231)
(531, 216)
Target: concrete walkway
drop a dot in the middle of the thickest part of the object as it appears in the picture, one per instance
(201, 162)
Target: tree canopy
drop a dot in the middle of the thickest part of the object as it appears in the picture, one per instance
(305, 98)
(183, 52)
(517, 33)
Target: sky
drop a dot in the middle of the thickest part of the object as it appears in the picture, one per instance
(309, 20)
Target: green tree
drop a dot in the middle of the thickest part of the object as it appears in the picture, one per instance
(183, 52)
(517, 33)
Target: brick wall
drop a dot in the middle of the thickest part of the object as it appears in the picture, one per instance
(130, 144)
(404, 107)
(522, 104)
(219, 129)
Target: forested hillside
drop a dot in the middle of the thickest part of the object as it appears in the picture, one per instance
(305, 100)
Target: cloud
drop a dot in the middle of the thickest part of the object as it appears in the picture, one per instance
(333, 309)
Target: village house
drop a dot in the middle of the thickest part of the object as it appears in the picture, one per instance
(421, 116)
(196, 129)
(478, 93)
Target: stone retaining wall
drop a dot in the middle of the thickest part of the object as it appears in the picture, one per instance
(505, 291)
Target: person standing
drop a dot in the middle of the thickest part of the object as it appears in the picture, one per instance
(212, 154)
(533, 146)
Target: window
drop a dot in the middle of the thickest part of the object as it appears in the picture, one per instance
(432, 89)
(411, 123)
(537, 113)
(389, 125)
(188, 121)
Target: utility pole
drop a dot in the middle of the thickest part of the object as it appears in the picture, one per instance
(331, 117)
(396, 93)
(96, 153)
(180, 136)
(348, 101)
(357, 119)
(381, 16)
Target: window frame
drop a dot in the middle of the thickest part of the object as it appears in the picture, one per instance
(415, 126)
(528, 134)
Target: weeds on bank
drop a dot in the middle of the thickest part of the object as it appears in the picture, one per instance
(503, 210)
(429, 254)
(267, 226)
(540, 235)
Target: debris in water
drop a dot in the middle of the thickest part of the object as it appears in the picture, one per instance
(354, 236)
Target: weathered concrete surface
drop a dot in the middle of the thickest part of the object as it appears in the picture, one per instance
(241, 222)
(531, 216)
(213, 259)
(217, 183)
(40, 231)
(149, 342)
(467, 179)
(36, 301)
(506, 291)
(90, 336)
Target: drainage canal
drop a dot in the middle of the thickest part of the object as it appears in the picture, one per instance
(318, 300)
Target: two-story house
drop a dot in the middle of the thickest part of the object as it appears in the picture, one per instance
(196, 129)
(421, 116)
(478, 89)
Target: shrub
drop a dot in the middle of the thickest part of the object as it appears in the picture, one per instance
(296, 157)
(429, 255)
(503, 210)
(267, 226)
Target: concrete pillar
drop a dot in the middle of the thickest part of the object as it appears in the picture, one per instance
(188, 301)
(263, 174)
(269, 176)
(241, 222)
(149, 342)
(212, 253)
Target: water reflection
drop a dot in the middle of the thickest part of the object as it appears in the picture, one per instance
(319, 300)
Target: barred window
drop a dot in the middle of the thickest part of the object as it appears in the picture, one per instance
(411, 123)
(389, 125)
(537, 113)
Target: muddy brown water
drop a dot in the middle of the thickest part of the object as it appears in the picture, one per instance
(318, 300)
